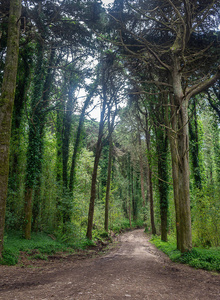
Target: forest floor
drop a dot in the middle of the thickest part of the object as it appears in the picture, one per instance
(131, 269)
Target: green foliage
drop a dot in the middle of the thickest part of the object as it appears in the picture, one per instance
(206, 219)
(208, 259)
(9, 257)
(40, 256)
(38, 247)
(37, 146)
(168, 248)
(99, 234)
(41, 241)
(122, 224)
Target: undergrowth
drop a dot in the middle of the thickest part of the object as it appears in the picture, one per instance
(41, 244)
(39, 247)
(200, 258)
(124, 224)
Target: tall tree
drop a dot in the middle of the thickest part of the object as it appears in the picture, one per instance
(167, 37)
(111, 121)
(104, 82)
(162, 151)
(149, 172)
(6, 105)
(141, 170)
(25, 64)
(145, 124)
(35, 143)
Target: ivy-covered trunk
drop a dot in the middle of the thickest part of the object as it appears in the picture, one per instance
(23, 81)
(194, 146)
(6, 105)
(67, 122)
(42, 113)
(108, 184)
(34, 151)
(149, 178)
(162, 149)
(129, 192)
(142, 174)
(171, 123)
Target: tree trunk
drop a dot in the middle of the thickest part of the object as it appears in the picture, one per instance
(129, 212)
(141, 172)
(172, 130)
(108, 185)
(6, 105)
(162, 146)
(194, 147)
(59, 171)
(183, 179)
(133, 194)
(34, 154)
(42, 112)
(23, 81)
(95, 168)
(150, 197)
(67, 120)
(149, 179)
(93, 185)
(28, 212)
(129, 170)
(174, 159)
(142, 178)
(68, 106)
(78, 137)
(180, 159)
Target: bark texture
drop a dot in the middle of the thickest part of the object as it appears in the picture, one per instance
(180, 157)
(108, 185)
(162, 150)
(141, 172)
(149, 179)
(174, 159)
(6, 105)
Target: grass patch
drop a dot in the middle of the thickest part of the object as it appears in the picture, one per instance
(207, 259)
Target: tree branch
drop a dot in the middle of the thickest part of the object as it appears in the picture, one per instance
(201, 87)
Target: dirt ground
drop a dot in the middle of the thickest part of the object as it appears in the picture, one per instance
(133, 269)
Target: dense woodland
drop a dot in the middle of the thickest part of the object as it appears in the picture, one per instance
(151, 70)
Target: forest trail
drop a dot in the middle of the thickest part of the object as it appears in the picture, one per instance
(135, 269)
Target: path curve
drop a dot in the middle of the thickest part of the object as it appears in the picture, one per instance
(135, 270)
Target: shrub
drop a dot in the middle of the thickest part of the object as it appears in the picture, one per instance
(200, 258)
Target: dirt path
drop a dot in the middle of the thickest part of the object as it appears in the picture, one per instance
(135, 270)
